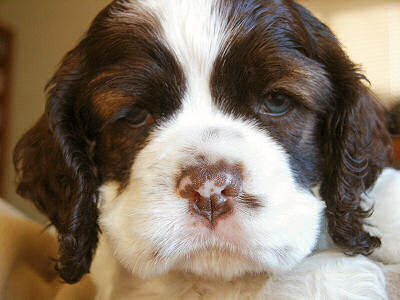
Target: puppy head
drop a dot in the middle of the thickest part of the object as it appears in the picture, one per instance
(192, 133)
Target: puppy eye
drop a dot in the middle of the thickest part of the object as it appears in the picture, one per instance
(277, 105)
(138, 117)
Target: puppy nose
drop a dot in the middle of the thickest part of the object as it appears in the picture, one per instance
(210, 189)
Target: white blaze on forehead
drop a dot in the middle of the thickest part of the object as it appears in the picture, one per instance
(195, 32)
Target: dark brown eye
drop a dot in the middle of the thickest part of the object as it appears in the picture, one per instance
(277, 105)
(138, 117)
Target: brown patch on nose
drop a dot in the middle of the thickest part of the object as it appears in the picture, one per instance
(210, 188)
(210, 208)
(198, 175)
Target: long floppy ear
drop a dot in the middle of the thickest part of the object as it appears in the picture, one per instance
(55, 170)
(354, 141)
(356, 146)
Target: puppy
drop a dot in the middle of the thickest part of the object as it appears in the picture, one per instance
(189, 134)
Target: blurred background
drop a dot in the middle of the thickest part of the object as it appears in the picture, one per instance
(34, 36)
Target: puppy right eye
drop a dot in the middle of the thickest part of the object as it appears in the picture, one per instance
(277, 105)
(138, 117)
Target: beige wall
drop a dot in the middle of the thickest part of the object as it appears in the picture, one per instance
(370, 32)
(46, 29)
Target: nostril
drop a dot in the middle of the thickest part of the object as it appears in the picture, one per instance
(202, 206)
(196, 196)
(210, 188)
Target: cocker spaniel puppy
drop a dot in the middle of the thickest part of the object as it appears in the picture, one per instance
(189, 135)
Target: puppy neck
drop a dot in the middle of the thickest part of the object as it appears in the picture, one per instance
(113, 281)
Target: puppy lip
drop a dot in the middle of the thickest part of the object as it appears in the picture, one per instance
(225, 229)
(208, 221)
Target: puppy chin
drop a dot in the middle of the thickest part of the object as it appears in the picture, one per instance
(215, 264)
(210, 264)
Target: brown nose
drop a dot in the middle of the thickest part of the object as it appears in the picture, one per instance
(210, 189)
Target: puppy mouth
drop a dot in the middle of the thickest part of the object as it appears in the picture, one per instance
(200, 238)
(225, 230)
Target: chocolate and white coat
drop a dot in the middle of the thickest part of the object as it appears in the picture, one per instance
(190, 134)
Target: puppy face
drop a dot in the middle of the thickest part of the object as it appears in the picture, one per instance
(192, 132)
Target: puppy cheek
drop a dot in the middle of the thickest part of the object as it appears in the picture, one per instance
(288, 231)
(126, 223)
(115, 224)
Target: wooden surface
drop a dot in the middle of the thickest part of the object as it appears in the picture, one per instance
(26, 264)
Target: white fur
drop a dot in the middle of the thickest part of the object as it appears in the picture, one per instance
(194, 31)
(385, 221)
(322, 276)
(330, 275)
(154, 248)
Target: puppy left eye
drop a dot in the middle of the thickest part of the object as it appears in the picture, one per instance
(138, 117)
(277, 105)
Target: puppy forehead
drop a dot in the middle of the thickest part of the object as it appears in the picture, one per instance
(195, 32)
(215, 43)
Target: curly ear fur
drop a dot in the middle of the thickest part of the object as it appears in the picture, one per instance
(55, 171)
(356, 144)
(354, 140)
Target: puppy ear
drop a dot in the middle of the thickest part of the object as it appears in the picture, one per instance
(354, 140)
(355, 146)
(55, 170)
